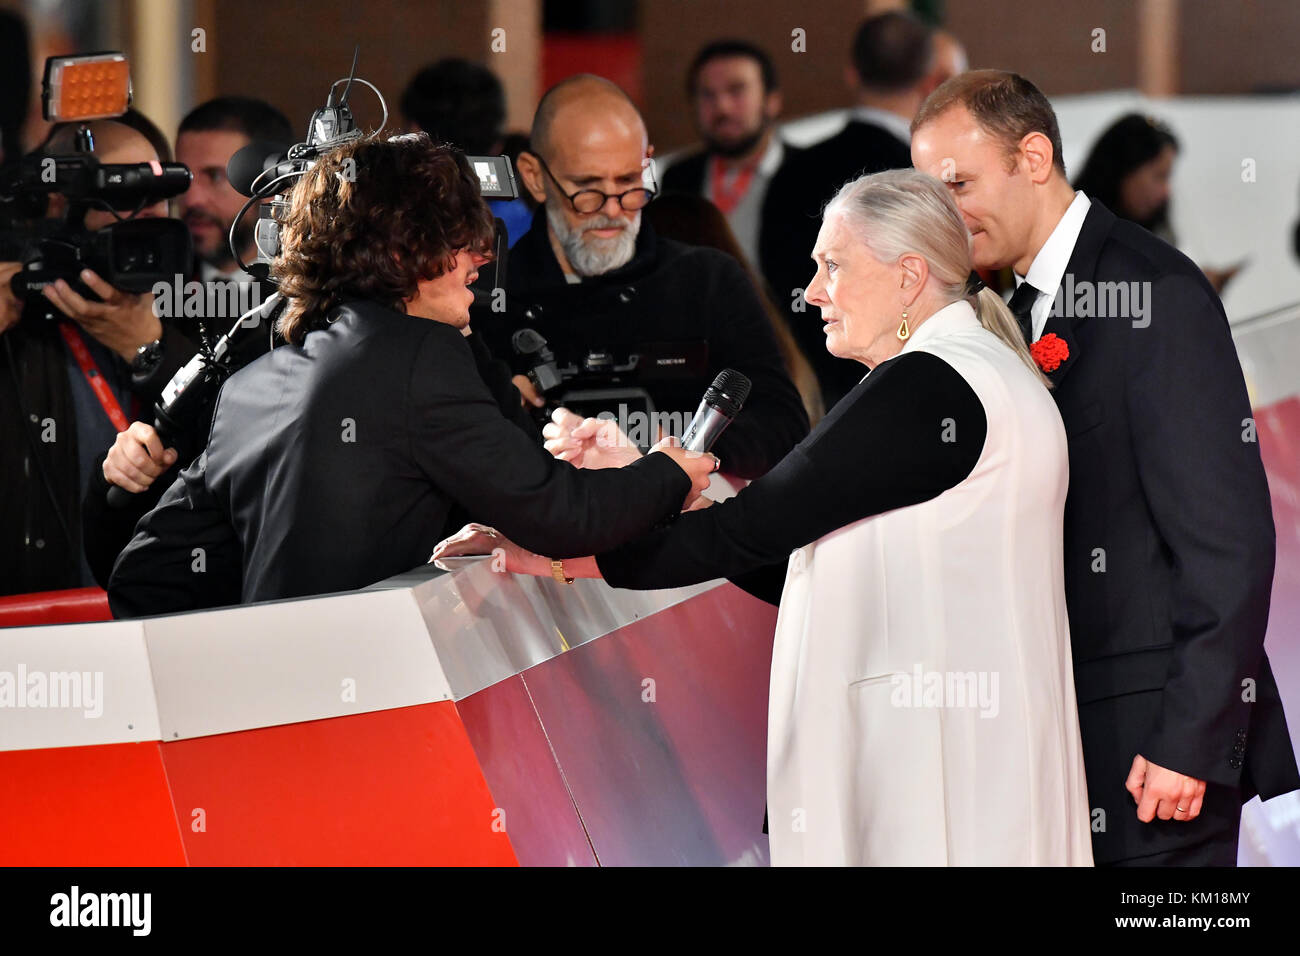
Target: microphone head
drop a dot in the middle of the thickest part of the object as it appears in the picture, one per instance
(729, 391)
(251, 161)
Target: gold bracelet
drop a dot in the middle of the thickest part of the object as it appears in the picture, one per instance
(557, 572)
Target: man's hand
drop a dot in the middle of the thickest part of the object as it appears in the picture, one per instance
(528, 391)
(122, 322)
(137, 458)
(588, 442)
(1163, 793)
(11, 310)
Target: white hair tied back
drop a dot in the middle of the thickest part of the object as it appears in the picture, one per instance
(902, 211)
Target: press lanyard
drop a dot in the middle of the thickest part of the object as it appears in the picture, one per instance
(94, 378)
(725, 197)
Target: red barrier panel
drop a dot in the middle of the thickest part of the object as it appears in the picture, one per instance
(87, 806)
(391, 788)
(75, 606)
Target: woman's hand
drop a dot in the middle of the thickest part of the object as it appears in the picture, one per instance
(477, 539)
(588, 442)
(506, 555)
(122, 322)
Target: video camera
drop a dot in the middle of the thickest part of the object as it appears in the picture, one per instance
(129, 254)
(588, 380)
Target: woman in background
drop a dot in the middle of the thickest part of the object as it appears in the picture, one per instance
(1129, 169)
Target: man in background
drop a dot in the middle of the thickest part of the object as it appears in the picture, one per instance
(733, 89)
(209, 135)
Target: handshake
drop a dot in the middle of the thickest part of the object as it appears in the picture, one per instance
(588, 443)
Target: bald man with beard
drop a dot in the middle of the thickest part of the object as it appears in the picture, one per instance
(591, 276)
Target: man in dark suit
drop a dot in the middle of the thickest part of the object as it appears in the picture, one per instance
(344, 457)
(1169, 541)
(733, 88)
(896, 61)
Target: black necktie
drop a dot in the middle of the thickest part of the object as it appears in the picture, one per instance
(1022, 305)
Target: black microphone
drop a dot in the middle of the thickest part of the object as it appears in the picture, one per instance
(255, 159)
(194, 388)
(722, 403)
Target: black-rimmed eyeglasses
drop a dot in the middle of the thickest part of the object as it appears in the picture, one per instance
(587, 201)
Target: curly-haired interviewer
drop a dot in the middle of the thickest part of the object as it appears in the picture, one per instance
(370, 221)
(340, 458)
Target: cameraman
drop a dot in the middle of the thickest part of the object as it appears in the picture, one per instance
(591, 276)
(343, 457)
(68, 389)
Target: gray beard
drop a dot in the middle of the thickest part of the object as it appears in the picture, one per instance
(588, 255)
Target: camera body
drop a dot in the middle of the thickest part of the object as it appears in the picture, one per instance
(129, 254)
(594, 379)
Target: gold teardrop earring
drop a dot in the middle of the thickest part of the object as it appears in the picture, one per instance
(903, 331)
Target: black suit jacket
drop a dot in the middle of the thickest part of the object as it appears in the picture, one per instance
(795, 199)
(339, 463)
(1169, 541)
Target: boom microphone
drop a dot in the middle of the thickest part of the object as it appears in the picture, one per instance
(722, 403)
(255, 159)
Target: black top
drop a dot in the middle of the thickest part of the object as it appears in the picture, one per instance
(881, 448)
(337, 464)
(677, 298)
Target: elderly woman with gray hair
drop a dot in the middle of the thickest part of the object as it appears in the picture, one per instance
(922, 706)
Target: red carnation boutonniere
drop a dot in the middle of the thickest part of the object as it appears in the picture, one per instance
(1049, 352)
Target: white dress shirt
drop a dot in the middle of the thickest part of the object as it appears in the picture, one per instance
(1048, 267)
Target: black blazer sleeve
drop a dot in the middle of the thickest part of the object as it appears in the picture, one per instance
(105, 531)
(773, 418)
(505, 479)
(184, 555)
(1200, 468)
(882, 448)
